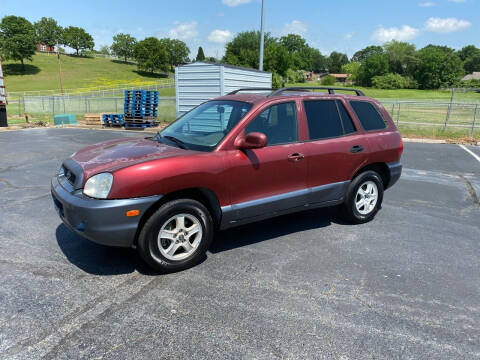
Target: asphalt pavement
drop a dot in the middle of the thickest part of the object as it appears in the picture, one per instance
(307, 285)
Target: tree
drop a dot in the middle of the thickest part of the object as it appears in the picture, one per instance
(319, 62)
(177, 51)
(472, 64)
(467, 52)
(374, 65)
(104, 49)
(362, 55)
(438, 66)
(293, 43)
(243, 49)
(123, 45)
(402, 57)
(17, 39)
(200, 54)
(353, 69)
(151, 55)
(48, 31)
(277, 59)
(77, 38)
(336, 61)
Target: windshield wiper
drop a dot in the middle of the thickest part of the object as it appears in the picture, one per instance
(179, 142)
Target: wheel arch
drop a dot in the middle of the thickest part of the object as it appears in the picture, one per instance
(203, 195)
(380, 168)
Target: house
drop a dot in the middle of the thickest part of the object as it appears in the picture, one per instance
(45, 48)
(473, 76)
(341, 78)
(311, 76)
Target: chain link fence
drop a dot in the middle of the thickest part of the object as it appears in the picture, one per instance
(456, 117)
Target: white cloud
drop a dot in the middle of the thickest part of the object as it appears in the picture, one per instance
(446, 25)
(348, 36)
(220, 36)
(404, 33)
(426, 4)
(458, 1)
(295, 27)
(184, 31)
(233, 3)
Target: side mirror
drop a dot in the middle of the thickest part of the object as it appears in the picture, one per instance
(253, 140)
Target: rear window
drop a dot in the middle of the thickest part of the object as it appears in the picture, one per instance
(368, 115)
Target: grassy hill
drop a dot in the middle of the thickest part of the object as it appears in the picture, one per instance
(78, 72)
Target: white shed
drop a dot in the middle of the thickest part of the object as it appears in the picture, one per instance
(202, 80)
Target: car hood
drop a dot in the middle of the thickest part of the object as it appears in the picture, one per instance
(116, 154)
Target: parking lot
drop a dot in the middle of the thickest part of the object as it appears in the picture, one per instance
(308, 285)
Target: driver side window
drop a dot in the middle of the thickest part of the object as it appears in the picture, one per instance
(278, 123)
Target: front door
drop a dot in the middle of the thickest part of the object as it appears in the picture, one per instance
(271, 179)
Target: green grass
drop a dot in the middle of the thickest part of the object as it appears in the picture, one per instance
(408, 94)
(77, 72)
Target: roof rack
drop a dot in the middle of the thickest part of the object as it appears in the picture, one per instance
(331, 90)
(249, 89)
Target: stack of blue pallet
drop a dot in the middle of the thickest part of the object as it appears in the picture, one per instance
(141, 108)
(113, 119)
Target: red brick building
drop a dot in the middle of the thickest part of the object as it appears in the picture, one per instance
(45, 48)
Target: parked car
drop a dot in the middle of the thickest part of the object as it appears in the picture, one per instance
(233, 160)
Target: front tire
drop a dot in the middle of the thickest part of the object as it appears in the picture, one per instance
(364, 197)
(177, 236)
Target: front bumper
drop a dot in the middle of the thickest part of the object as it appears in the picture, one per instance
(395, 170)
(101, 221)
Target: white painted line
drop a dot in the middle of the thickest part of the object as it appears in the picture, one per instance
(470, 152)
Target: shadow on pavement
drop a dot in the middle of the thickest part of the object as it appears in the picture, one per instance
(275, 227)
(98, 259)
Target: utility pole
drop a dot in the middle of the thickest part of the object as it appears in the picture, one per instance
(3, 99)
(59, 69)
(260, 63)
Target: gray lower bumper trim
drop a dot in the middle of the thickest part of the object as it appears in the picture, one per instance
(395, 173)
(101, 221)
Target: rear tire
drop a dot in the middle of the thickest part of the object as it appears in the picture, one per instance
(364, 197)
(177, 236)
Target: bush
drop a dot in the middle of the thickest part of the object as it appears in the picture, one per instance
(328, 80)
(394, 81)
(295, 76)
(277, 81)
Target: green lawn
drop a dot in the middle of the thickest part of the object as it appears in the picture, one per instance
(78, 72)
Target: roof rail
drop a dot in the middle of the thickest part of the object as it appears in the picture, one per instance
(249, 89)
(331, 90)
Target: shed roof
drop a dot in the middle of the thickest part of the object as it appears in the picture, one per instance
(226, 65)
(473, 76)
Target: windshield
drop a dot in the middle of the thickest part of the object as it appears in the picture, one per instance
(205, 126)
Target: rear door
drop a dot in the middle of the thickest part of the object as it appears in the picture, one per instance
(336, 148)
(270, 179)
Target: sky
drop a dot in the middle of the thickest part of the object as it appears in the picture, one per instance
(340, 25)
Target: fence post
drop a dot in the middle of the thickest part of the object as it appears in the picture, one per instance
(449, 109)
(116, 108)
(474, 118)
(53, 107)
(86, 105)
(398, 113)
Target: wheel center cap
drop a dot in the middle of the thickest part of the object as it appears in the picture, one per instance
(181, 237)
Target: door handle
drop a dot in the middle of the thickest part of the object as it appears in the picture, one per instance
(295, 157)
(356, 148)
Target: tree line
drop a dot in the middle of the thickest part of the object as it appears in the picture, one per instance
(394, 65)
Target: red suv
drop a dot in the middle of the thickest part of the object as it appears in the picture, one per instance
(232, 160)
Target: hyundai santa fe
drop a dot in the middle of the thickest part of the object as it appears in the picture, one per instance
(240, 158)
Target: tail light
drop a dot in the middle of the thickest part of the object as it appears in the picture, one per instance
(400, 148)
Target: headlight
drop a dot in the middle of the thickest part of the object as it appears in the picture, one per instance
(98, 186)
